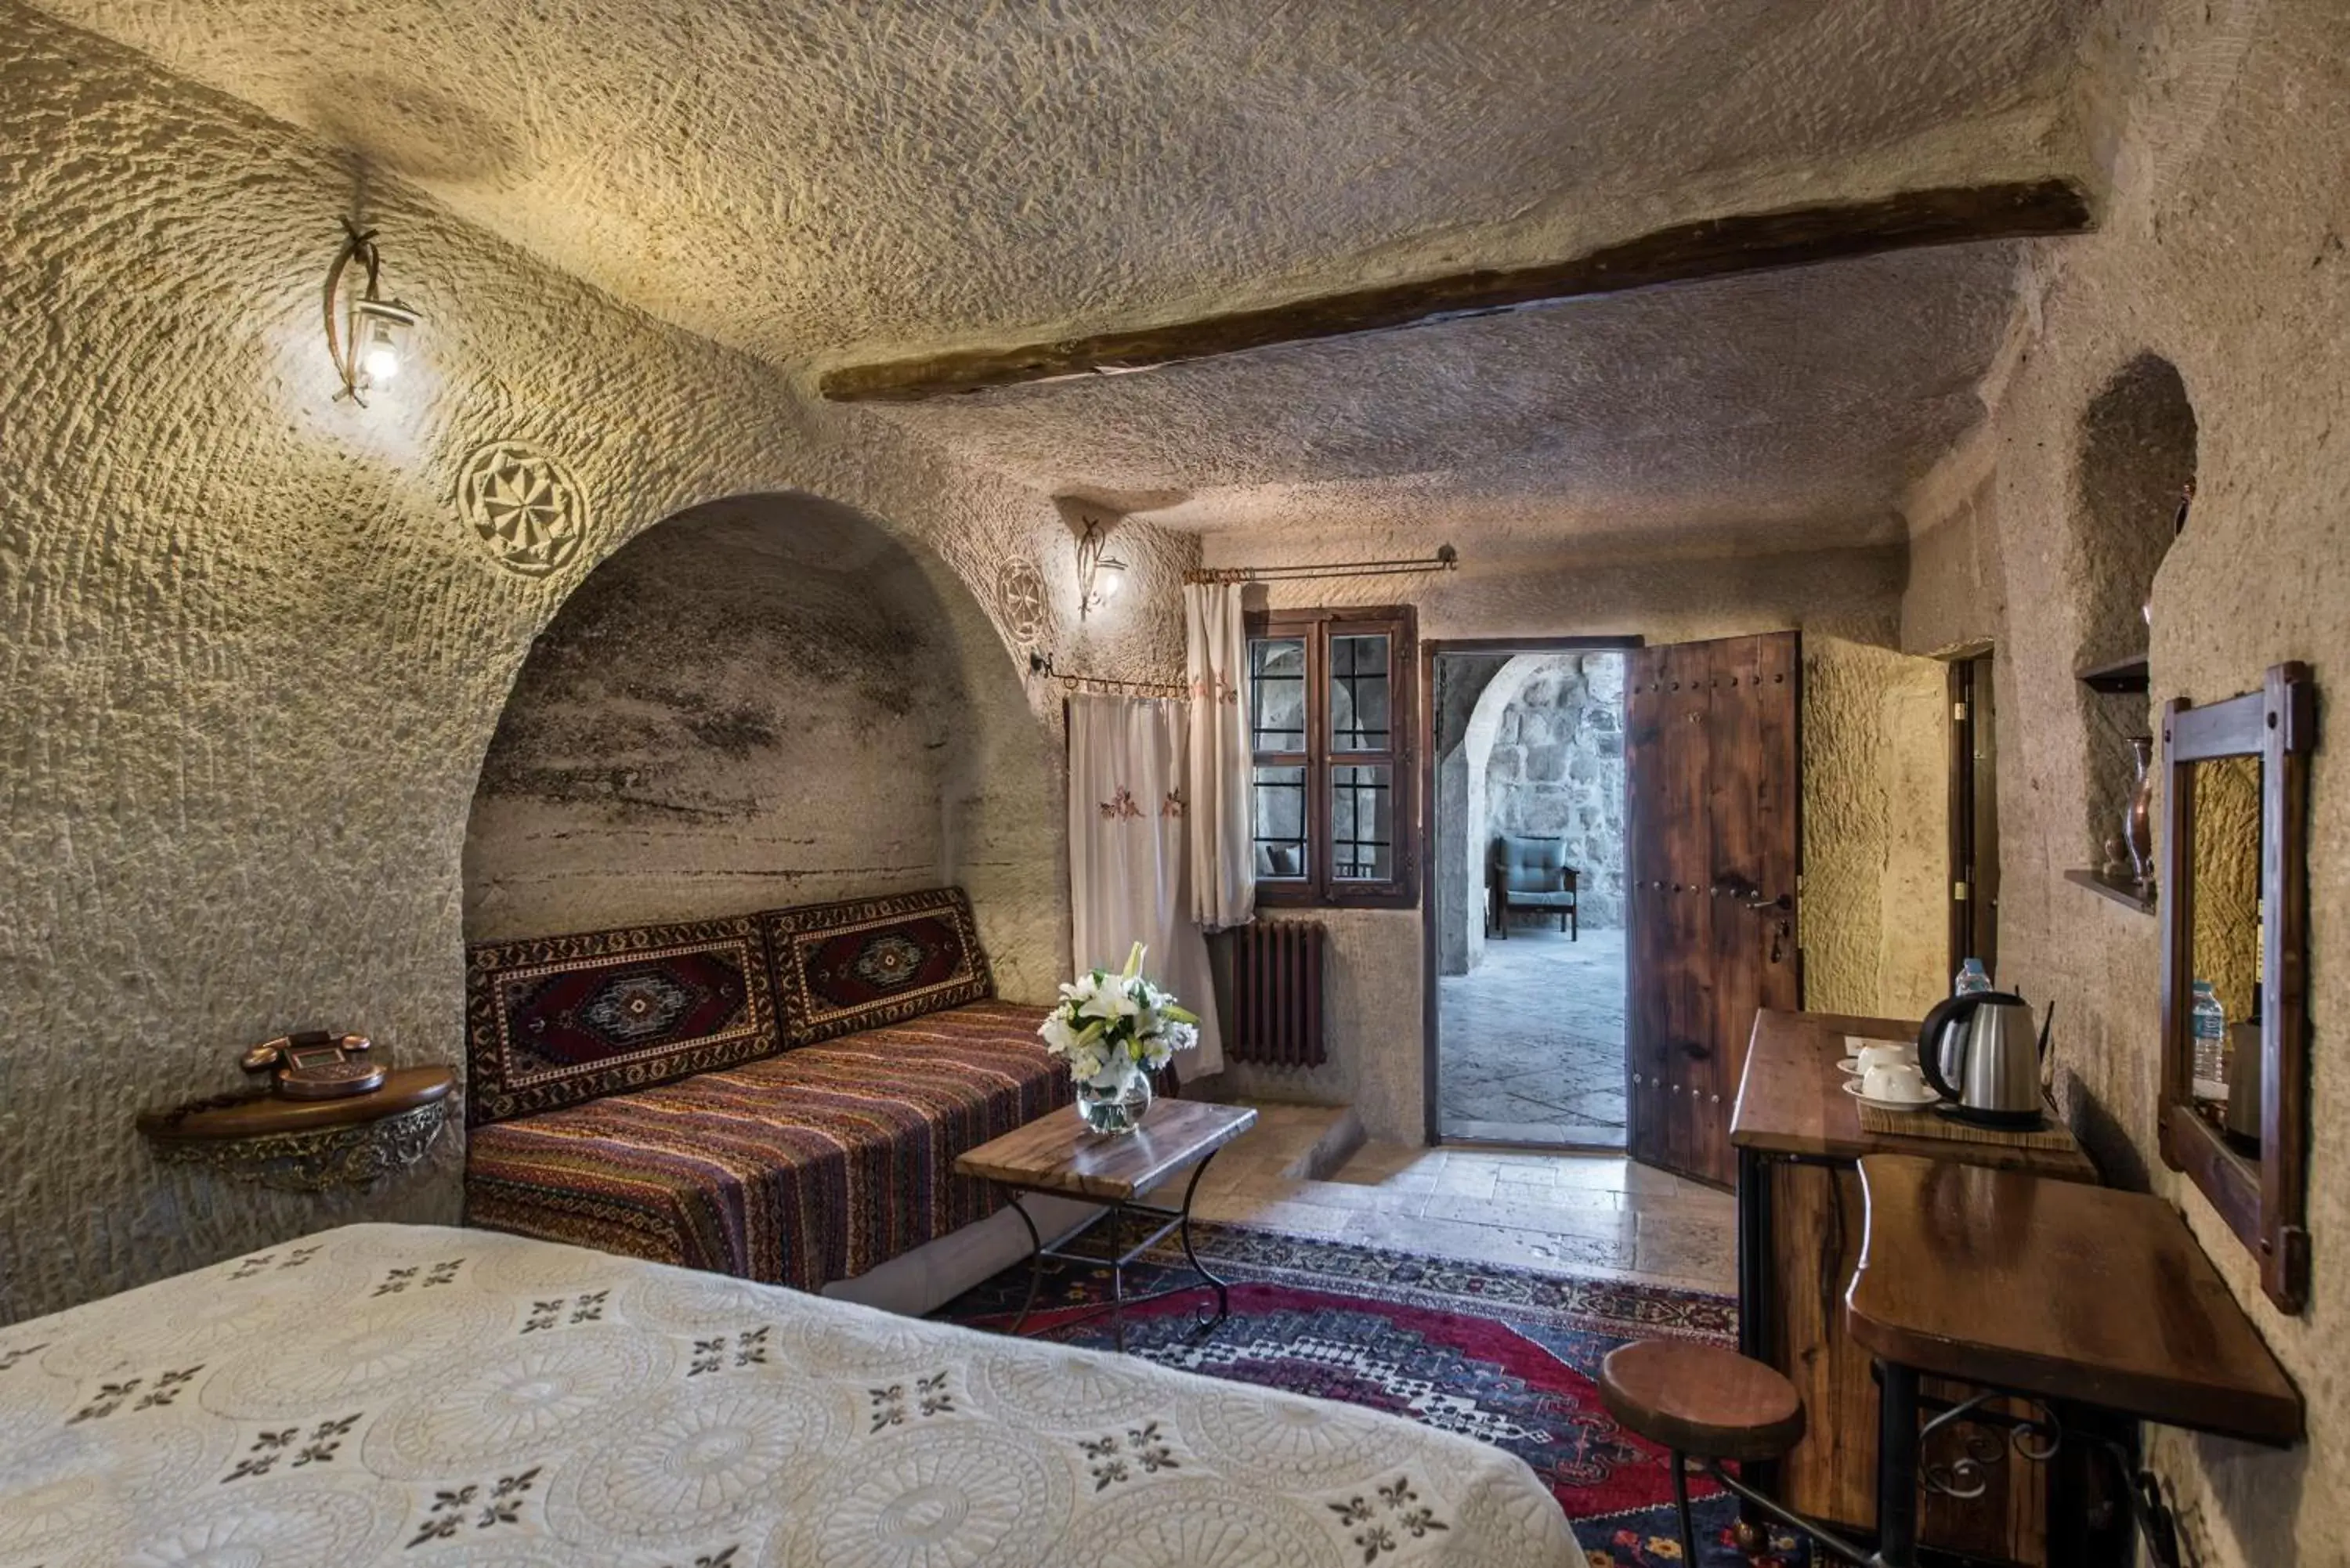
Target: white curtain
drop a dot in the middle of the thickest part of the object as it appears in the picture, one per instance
(1130, 880)
(1223, 863)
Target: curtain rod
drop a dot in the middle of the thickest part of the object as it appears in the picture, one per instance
(1113, 686)
(1446, 559)
(1042, 664)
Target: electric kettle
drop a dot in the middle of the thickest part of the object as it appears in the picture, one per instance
(1979, 1054)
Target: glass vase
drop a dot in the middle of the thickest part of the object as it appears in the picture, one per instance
(1112, 1103)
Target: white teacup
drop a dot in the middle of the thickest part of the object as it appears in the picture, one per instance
(1887, 1054)
(1897, 1081)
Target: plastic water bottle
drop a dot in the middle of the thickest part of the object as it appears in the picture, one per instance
(2209, 1023)
(1971, 979)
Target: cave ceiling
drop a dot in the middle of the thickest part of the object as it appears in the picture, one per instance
(819, 184)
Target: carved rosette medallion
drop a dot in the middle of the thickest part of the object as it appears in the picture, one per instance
(527, 508)
(1022, 601)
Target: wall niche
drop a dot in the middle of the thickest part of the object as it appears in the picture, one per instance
(765, 700)
(2136, 478)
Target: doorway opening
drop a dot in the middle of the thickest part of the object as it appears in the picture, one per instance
(1528, 952)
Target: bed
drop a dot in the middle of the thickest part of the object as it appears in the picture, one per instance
(383, 1394)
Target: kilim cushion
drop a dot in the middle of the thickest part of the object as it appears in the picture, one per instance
(866, 962)
(556, 1020)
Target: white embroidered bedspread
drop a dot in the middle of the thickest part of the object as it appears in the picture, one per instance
(389, 1394)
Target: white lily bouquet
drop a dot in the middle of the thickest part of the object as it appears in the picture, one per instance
(1113, 1030)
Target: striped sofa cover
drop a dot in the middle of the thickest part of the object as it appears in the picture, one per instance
(799, 1168)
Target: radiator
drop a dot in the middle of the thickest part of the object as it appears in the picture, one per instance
(1276, 994)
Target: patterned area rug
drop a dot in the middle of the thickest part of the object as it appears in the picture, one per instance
(1504, 1355)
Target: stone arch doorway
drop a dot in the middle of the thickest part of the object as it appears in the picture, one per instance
(1529, 1027)
(763, 701)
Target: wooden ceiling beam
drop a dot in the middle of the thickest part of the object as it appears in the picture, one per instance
(1685, 253)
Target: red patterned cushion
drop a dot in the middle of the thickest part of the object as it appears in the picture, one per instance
(868, 963)
(556, 1020)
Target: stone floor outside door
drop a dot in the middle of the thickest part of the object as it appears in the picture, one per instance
(1531, 1043)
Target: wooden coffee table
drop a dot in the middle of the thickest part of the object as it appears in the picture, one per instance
(1057, 1155)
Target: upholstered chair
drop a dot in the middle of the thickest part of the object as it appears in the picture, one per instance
(1530, 874)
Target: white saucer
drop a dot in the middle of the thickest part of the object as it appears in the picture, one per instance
(1852, 1087)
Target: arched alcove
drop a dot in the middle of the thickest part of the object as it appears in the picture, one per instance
(2137, 467)
(761, 701)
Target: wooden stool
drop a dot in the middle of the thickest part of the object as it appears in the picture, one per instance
(1701, 1399)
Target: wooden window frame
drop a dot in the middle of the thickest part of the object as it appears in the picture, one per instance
(1314, 628)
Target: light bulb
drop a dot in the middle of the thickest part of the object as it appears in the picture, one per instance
(1109, 576)
(379, 329)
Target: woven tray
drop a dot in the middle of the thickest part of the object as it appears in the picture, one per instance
(1930, 1123)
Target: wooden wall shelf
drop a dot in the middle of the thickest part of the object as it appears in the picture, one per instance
(2128, 895)
(307, 1146)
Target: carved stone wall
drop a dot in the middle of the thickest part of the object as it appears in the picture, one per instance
(2221, 247)
(757, 703)
(254, 649)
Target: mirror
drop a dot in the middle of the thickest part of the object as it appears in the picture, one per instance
(2224, 942)
(2233, 851)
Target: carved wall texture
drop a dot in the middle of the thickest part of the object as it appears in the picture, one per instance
(2223, 250)
(253, 657)
(758, 703)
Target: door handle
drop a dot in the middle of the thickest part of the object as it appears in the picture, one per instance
(1758, 903)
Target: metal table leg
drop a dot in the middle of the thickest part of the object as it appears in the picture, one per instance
(1754, 1297)
(1167, 1222)
(1116, 1277)
(1223, 1292)
(1035, 1259)
(1896, 1465)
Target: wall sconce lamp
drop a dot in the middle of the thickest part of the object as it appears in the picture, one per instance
(1100, 575)
(368, 337)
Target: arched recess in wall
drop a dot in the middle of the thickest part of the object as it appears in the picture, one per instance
(2135, 469)
(760, 702)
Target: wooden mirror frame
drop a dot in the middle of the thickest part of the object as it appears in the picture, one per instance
(2263, 1202)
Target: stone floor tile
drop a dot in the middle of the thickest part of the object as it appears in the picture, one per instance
(1539, 1023)
(1467, 1182)
(1269, 1214)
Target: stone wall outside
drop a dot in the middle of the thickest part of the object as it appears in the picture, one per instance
(1556, 771)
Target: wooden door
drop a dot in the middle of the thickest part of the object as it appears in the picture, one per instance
(1974, 816)
(1712, 853)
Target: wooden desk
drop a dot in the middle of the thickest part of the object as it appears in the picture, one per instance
(2071, 1294)
(1799, 1144)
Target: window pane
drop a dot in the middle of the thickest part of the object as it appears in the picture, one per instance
(1277, 694)
(1358, 694)
(1362, 823)
(1281, 824)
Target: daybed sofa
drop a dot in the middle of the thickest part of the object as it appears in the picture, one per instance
(780, 1096)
